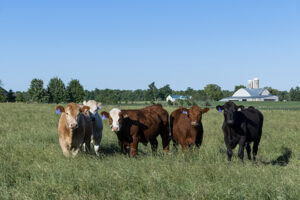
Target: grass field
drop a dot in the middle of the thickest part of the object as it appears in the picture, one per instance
(32, 165)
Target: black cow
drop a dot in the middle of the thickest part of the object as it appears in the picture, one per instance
(241, 126)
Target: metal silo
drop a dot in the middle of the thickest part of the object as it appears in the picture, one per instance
(255, 83)
(250, 84)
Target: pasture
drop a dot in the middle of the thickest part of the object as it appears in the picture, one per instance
(32, 165)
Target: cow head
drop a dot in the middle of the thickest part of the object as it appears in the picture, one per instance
(195, 114)
(230, 111)
(115, 117)
(72, 112)
(94, 107)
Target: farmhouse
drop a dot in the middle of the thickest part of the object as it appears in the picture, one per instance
(174, 98)
(252, 93)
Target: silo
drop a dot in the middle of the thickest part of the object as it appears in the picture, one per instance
(250, 84)
(255, 83)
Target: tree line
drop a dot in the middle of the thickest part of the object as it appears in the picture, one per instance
(57, 92)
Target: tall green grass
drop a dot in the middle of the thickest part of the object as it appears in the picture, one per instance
(32, 165)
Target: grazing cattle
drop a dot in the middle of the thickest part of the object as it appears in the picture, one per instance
(73, 128)
(143, 125)
(241, 126)
(186, 126)
(96, 122)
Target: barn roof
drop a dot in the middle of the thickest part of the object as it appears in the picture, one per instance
(180, 97)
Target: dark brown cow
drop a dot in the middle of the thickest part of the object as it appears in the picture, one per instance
(186, 126)
(144, 125)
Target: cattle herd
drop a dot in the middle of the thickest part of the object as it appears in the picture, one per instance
(81, 125)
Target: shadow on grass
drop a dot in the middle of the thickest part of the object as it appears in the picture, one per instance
(282, 160)
(114, 149)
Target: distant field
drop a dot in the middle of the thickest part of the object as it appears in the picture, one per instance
(32, 165)
(290, 105)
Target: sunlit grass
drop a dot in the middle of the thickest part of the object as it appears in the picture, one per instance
(32, 165)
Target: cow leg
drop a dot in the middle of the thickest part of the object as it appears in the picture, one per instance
(183, 147)
(96, 148)
(242, 143)
(64, 148)
(229, 154)
(75, 152)
(154, 145)
(175, 146)
(229, 149)
(123, 147)
(165, 140)
(66, 152)
(248, 148)
(134, 146)
(255, 149)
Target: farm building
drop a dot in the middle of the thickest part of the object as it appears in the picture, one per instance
(174, 98)
(252, 93)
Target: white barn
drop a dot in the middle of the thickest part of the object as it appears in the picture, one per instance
(252, 93)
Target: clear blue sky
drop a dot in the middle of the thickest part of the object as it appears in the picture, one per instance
(128, 44)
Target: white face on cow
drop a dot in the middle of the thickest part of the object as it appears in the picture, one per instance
(114, 121)
(93, 106)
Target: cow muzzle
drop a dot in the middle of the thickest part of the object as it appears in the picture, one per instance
(73, 125)
(230, 122)
(194, 123)
(115, 128)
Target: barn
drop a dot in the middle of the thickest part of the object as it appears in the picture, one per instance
(252, 93)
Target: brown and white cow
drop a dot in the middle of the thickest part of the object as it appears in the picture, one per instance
(186, 126)
(73, 128)
(143, 125)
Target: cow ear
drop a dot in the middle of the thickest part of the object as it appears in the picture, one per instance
(59, 109)
(123, 115)
(219, 108)
(104, 115)
(84, 108)
(205, 110)
(99, 106)
(180, 108)
(240, 108)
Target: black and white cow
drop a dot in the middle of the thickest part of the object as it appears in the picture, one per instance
(241, 126)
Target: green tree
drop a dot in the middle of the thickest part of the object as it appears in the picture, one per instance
(3, 97)
(295, 94)
(237, 87)
(152, 92)
(164, 92)
(189, 91)
(37, 93)
(11, 96)
(213, 92)
(20, 97)
(283, 95)
(57, 91)
(76, 91)
(272, 91)
(227, 93)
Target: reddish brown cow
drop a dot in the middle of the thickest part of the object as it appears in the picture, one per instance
(74, 128)
(144, 125)
(186, 126)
